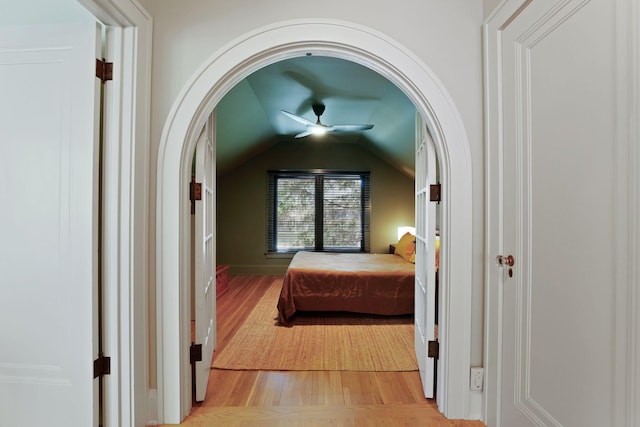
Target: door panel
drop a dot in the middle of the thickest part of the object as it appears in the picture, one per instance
(48, 225)
(425, 256)
(205, 257)
(558, 184)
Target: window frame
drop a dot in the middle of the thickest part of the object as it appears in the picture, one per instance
(318, 175)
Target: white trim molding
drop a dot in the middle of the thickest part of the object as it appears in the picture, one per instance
(188, 115)
(632, 15)
(126, 202)
(625, 396)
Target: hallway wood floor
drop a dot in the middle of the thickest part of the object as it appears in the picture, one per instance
(305, 398)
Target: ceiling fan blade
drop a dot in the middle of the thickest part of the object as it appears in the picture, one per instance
(349, 128)
(298, 118)
(320, 128)
(303, 134)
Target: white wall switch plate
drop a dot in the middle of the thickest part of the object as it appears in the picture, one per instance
(476, 379)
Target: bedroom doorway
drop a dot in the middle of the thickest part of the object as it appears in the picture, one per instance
(351, 91)
(191, 112)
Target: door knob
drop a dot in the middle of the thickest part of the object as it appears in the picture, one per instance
(502, 260)
(508, 261)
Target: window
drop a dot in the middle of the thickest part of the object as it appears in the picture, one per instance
(319, 211)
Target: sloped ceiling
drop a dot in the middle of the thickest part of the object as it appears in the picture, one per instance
(249, 118)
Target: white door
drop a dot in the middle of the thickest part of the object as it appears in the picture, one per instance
(555, 213)
(48, 248)
(205, 257)
(425, 255)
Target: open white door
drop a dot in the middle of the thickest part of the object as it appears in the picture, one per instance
(48, 224)
(425, 293)
(205, 257)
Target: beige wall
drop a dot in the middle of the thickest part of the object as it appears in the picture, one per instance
(443, 34)
(242, 194)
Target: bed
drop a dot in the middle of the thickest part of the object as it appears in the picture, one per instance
(381, 284)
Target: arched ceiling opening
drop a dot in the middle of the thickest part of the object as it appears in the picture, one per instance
(249, 117)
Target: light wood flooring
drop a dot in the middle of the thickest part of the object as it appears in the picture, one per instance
(305, 398)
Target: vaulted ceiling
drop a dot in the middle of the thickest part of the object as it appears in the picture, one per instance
(249, 117)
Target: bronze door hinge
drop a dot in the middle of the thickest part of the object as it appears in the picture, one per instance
(435, 190)
(104, 70)
(101, 366)
(195, 191)
(433, 350)
(195, 353)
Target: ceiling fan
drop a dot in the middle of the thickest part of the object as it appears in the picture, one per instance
(318, 128)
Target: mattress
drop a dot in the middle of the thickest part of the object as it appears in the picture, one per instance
(381, 284)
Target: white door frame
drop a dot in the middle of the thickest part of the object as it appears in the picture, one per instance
(626, 393)
(211, 82)
(126, 211)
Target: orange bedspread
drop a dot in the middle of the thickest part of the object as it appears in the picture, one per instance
(360, 283)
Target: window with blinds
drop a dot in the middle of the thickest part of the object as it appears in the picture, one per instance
(318, 211)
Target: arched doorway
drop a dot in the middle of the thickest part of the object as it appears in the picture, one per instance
(190, 111)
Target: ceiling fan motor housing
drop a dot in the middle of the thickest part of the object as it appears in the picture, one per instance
(318, 109)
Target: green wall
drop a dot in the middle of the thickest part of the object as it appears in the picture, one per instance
(241, 200)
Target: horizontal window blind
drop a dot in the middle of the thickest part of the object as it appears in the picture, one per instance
(295, 213)
(321, 211)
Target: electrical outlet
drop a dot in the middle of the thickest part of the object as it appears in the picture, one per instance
(476, 380)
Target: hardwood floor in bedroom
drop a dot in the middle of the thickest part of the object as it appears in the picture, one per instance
(305, 398)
